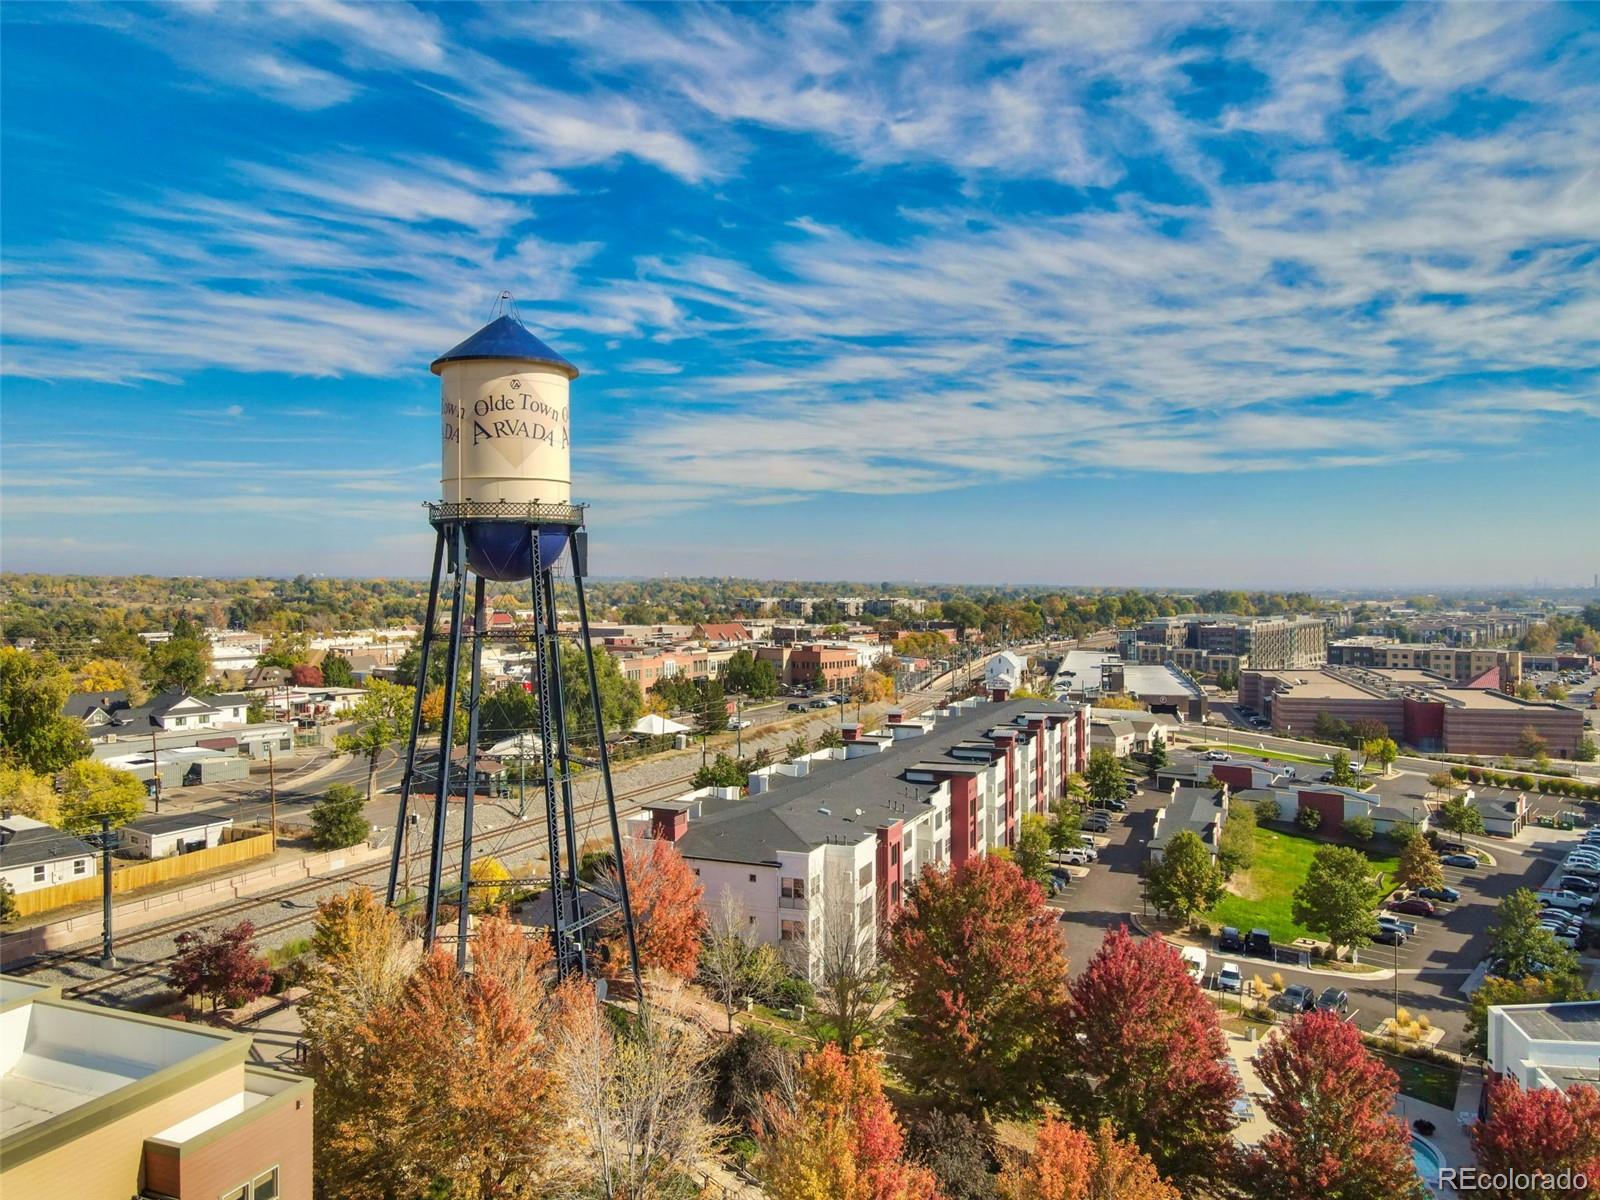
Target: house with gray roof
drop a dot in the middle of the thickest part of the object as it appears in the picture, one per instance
(34, 855)
(1197, 810)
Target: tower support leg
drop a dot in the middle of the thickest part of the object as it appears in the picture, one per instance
(564, 758)
(605, 771)
(544, 652)
(398, 851)
(474, 696)
(447, 732)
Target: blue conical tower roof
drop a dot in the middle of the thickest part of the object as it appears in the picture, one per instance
(505, 337)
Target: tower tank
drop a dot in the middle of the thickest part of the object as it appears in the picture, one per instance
(505, 440)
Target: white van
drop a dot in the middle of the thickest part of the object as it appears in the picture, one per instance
(1195, 959)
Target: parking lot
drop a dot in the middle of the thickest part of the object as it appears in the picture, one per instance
(1424, 975)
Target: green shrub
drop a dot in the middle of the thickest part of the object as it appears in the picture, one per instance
(1268, 809)
(1359, 828)
(793, 992)
(1309, 819)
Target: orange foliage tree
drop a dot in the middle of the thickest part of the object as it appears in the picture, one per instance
(1069, 1164)
(667, 916)
(840, 1139)
(457, 1089)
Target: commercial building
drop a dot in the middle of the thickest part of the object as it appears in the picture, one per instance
(799, 665)
(1417, 708)
(1211, 643)
(835, 837)
(1460, 664)
(98, 1104)
(1546, 1045)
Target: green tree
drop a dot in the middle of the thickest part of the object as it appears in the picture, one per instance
(723, 772)
(830, 739)
(1236, 848)
(1381, 750)
(1344, 775)
(1032, 851)
(1532, 989)
(336, 819)
(1359, 828)
(8, 902)
(621, 702)
(1338, 897)
(1527, 691)
(1458, 816)
(1158, 753)
(963, 613)
(33, 731)
(336, 671)
(796, 747)
(1419, 865)
(1587, 751)
(1066, 824)
(1185, 880)
(381, 718)
(284, 651)
(181, 663)
(1105, 778)
(90, 790)
(1526, 947)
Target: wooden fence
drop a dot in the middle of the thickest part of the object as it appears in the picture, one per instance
(138, 875)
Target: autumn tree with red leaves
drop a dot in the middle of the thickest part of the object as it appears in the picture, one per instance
(1543, 1130)
(222, 967)
(840, 1139)
(1069, 1164)
(979, 969)
(667, 917)
(1330, 1102)
(305, 675)
(1147, 1052)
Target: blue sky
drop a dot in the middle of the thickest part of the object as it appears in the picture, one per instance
(1143, 294)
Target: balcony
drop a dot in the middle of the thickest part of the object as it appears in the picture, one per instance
(791, 902)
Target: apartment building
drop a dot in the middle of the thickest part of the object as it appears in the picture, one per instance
(98, 1104)
(646, 668)
(841, 833)
(1462, 664)
(1208, 644)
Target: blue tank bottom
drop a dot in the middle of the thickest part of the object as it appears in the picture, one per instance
(503, 550)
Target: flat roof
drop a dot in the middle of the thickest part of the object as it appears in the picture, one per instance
(1577, 1021)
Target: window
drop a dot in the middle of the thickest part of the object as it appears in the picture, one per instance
(894, 856)
(864, 876)
(38, 874)
(752, 879)
(864, 914)
(263, 1187)
(792, 931)
(79, 866)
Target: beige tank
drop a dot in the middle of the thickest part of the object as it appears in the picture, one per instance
(505, 425)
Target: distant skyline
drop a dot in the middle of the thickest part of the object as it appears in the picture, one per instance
(1248, 297)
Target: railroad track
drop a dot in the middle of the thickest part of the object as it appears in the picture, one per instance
(591, 819)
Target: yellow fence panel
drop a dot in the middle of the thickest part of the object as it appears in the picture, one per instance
(138, 875)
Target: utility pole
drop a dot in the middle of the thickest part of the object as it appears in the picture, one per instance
(108, 957)
(272, 795)
(155, 769)
(738, 728)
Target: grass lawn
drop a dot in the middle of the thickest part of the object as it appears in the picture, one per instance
(1430, 1082)
(1263, 896)
(1270, 755)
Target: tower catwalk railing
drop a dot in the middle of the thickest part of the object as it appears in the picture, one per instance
(576, 909)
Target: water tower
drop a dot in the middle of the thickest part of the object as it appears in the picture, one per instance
(506, 514)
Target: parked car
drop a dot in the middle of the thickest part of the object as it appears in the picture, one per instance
(1561, 917)
(1297, 997)
(1325, 777)
(1415, 905)
(1259, 943)
(1230, 978)
(1078, 858)
(1568, 900)
(1579, 884)
(1465, 861)
(1389, 936)
(822, 702)
(1115, 804)
(1335, 1000)
(796, 706)
(1409, 928)
(1087, 845)
(1581, 866)
(1216, 756)
(1563, 937)
(1448, 894)
(740, 722)
(1230, 939)
(1194, 959)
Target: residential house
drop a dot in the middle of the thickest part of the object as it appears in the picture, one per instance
(164, 834)
(34, 855)
(1198, 810)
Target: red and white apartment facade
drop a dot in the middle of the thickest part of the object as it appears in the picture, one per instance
(856, 825)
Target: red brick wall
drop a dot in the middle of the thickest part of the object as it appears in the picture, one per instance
(963, 816)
